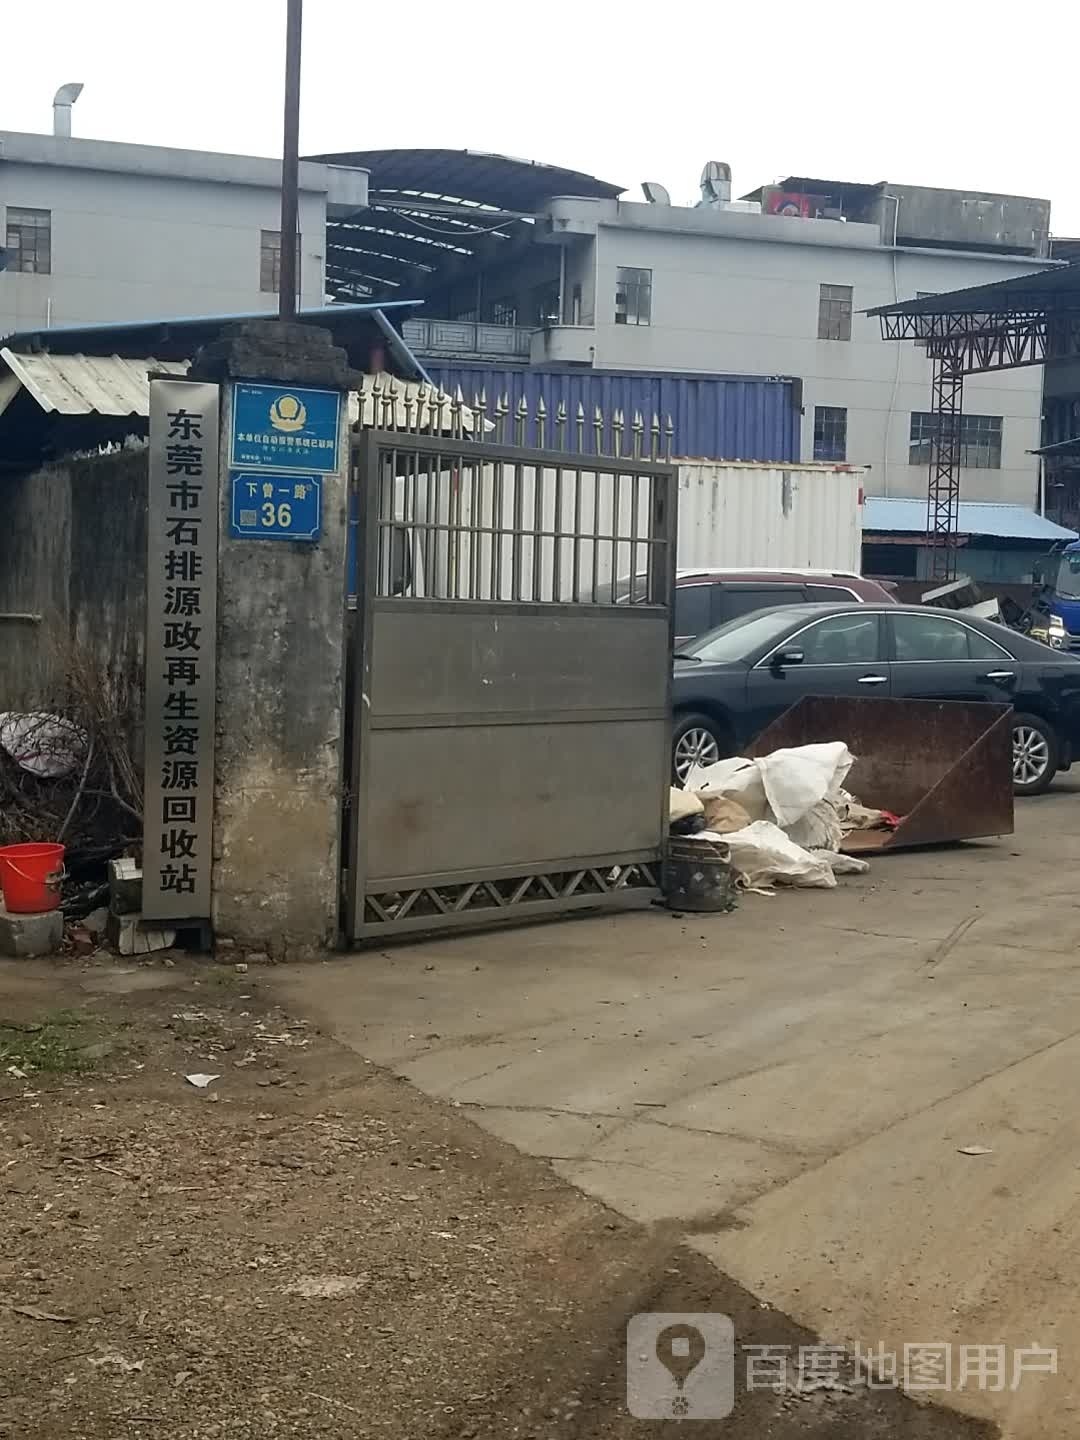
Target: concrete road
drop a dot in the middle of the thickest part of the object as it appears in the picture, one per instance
(795, 1082)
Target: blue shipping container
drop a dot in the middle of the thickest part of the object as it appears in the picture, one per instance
(715, 417)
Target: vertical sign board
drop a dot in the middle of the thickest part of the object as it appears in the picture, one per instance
(181, 649)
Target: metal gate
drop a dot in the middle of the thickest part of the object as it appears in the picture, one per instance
(511, 681)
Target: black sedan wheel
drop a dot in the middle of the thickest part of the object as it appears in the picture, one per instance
(697, 741)
(1035, 754)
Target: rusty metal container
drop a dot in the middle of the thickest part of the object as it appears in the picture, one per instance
(943, 766)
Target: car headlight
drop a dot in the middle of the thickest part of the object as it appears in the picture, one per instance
(1057, 634)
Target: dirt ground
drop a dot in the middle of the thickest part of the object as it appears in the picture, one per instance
(309, 1246)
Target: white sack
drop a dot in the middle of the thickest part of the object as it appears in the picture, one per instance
(735, 779)
(763, 855)
(45, 745)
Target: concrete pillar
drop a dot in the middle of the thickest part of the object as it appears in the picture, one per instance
(280, 677)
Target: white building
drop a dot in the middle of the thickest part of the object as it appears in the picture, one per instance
(99, 231)
(662, 288)
(593, 281)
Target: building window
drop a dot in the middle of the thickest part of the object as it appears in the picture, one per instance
(633, 296)
(29, 241)
(980, 440)
(834, 312)
(830, 432)
(503, 312)
(270, 262)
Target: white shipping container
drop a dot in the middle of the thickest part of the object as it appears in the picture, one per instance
(741, 515)
(459, 526)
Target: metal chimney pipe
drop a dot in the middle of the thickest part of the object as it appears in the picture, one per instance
(63, 100)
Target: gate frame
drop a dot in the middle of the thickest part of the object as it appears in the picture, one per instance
(611, 890)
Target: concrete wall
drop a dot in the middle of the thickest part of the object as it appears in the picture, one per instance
(131, 246)
(739, 293)
(72, 551)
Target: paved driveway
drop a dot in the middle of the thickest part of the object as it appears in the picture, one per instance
(794, 1083)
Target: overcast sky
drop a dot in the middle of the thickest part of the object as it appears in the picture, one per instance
(629, 91)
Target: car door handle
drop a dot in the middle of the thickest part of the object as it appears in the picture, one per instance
(873, 680)
(999, 675)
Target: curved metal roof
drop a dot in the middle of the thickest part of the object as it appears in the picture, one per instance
(428, 209)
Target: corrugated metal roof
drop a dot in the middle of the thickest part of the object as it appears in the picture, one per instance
(1005, 522)
(88, 384)
(112, 385)
(1044, 290)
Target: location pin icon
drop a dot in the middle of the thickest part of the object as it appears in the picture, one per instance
(680, 1348)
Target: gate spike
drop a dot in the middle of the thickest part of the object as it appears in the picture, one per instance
(390, 405)
(598, 428)
(670, 432)
(617, 428)
(480, 416)
(456, 413)
(638, 428)
(654, 437)
(376, 398)
(521, 420)
(560, 425)
(410, 409)
(502, 409)
(541, 422)
(580, 423)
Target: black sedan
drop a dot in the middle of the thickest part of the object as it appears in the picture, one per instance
(732, 682)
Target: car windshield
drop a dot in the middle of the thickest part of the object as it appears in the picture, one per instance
(1068, 576)
(740, 638)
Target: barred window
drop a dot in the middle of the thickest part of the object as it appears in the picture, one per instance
(633, 296)
(834, 312)
(830, 432)
(980, 440)
(29, 240)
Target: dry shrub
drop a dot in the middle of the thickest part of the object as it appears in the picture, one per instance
(95, 806)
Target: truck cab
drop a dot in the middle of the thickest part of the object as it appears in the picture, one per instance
(1057, 619)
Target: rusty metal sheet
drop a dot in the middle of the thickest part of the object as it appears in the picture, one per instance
(944, 766)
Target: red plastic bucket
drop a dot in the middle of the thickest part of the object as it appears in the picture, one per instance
(30, 877)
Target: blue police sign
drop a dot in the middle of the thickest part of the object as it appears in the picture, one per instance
(278, 428)
(275, 507)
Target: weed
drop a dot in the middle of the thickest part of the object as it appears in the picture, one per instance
(53, 1045)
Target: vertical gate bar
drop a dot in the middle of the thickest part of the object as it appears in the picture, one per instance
(576, 590)
(368, 486)
(538, 528)
(454, 517)
(434, 583)
(616, 496)
(557, 531)
(635, 502)
(476, 527)
(519, 520)
(497, 530)
(597, 478)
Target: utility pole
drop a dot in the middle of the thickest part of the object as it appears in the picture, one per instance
(290, 161)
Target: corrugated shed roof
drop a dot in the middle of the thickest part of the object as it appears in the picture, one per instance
(1005, 522)
(88, 384)
(112, 385)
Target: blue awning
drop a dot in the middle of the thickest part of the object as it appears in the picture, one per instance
(1002, 522)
